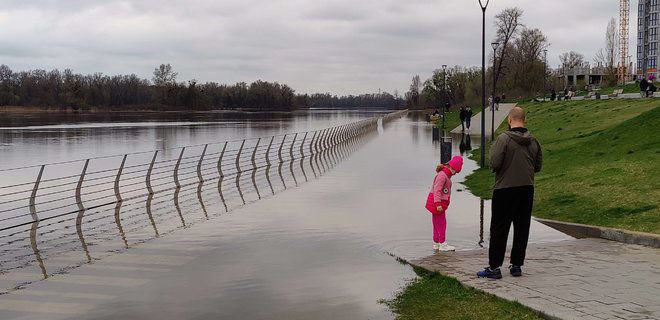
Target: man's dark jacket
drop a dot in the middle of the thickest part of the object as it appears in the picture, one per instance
(515, 157)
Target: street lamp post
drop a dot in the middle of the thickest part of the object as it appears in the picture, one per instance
(545, 73)
(492, 125)
(444, 85)
(483, 82)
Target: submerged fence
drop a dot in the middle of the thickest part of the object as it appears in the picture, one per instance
(44, 192)
(60, 215)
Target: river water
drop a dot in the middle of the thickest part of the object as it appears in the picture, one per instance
(316, 242)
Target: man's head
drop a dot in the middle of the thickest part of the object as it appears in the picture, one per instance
(516, 118)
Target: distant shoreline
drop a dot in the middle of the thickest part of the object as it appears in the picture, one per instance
(95, 110)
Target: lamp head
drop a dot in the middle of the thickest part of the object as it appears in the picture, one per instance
(495, 45)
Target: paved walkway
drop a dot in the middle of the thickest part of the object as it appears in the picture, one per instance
(572, 279)
(500, 115)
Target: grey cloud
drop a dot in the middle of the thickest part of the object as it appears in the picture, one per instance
(337, 46)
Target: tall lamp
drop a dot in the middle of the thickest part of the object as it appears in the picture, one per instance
(483, 6)
(495, 45)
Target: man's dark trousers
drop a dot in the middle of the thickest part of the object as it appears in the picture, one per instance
(510, 205)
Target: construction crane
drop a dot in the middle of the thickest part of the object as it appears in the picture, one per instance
(624, 20)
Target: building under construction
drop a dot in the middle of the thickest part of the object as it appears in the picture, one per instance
(647, 37)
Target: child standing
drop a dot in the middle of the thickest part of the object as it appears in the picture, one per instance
(438, 201)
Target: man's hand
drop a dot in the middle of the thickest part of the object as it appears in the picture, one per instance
(440, 209)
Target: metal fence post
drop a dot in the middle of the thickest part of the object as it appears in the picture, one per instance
(317, 147)
(268, 151)
(238, 157)
(254, 153)
(222, 154)
(121, 168)
(33, 196)
(79, 186)
(176, 169)
(151, 167)
(292, 144)
(199, 164)
(311, 143)
(254, 169)
(279, 152)
(302, 144)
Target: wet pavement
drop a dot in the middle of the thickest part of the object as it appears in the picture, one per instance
(309, 249)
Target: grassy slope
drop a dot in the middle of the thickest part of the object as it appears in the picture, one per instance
(601, 163)
(434, 296)
(628, 88)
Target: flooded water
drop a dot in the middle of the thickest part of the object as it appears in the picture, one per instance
(312, 238)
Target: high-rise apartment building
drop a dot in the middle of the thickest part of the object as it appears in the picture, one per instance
(647, 37)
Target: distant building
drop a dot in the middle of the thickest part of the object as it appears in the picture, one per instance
(581, 76)
(647, 38)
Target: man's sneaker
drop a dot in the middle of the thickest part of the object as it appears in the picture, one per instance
(516, 271)
(445, 247)
(489, 273)
(436, 246)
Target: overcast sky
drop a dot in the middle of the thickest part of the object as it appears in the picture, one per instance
(337, 46)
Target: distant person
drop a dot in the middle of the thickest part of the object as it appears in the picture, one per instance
(468, 118)
(503, 98)
(436, 113)
(566, 93)
(491, 103)
(462, 115)
(439, 199)
(515, 157)
(643, 87)
(651, 87)
(447, 106)
(497, 103)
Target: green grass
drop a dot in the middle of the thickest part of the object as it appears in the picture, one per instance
(434, 296)
(628, 88)
(601, 163)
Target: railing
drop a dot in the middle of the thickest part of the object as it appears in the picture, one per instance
(58, 189)
(108, 196)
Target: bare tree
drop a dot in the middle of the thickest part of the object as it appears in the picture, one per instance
(507, 23)
(164, 75)
(607, 58)
(528, 68)
(412, 97)
(571, 59)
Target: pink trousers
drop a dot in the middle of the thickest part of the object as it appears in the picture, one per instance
(439, 227)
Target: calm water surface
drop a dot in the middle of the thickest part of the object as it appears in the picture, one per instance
(312, 248)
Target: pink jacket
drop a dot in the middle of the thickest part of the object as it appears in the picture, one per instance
(442, 188)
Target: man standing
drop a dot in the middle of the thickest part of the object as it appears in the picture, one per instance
(514, 157)
(461, 116)
(468, 117)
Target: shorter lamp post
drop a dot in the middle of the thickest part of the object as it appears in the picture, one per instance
(495, 45)
(546, 87)
(444, 85)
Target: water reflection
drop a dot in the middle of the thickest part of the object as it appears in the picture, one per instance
(466, 144)
(481, 223)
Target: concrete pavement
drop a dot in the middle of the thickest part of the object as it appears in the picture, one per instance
(571, 279)
(500, 116)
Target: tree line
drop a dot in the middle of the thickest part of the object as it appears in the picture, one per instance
(374, 100)
(63, 90)
(56, 89)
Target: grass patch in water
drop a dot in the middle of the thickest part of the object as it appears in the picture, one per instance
(435, 296)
